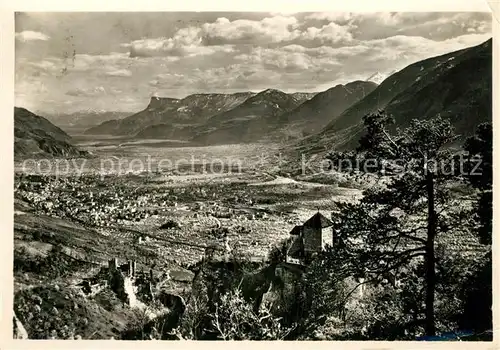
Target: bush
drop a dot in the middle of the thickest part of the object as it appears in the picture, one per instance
(277, 254)
(170, 224)
(234, 319)
(476, 295)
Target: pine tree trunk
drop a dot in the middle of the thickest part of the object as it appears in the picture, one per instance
(430, 276)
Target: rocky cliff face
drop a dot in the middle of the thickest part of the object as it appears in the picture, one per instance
(190, 111)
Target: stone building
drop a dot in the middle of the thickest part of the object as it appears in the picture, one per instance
(309, 239)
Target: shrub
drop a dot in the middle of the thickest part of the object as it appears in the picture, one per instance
(235, 319)
(170, 224)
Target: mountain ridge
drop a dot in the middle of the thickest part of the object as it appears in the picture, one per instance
(37, 136)
(192, 109)
(312, 115)
(166, 117)
(462, 77)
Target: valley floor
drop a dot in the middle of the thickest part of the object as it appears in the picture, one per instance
(68, 225)
(92, 218)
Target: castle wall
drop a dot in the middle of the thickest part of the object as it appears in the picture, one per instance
(326, 237)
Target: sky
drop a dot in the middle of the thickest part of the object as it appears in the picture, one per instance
(71, 62)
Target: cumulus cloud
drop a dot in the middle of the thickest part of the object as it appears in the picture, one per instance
(267, 30)
(291, 58)
(223, 35)
(331, 33)
(391, 49)
(29, 35)
(297, 52)
(435, 25)
(413, 48)
(381, 18)
(331, 16)
(170, 47)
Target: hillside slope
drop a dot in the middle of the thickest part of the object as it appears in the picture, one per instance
(456, 86)
(36, 136)
(248, 122)
(312, 115)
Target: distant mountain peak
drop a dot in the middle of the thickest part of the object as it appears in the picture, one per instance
(36, 135)
(378, 77)
(271, 91)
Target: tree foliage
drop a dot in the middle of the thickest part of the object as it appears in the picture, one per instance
(396, 225)
(480, 176)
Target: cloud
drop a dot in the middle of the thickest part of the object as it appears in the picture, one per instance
(268, 30)
(120, 73)
(390, 19)
(431, 25)
(413, 48)
(291, 58)
(86, 62)
(298, 52)
(114, 63)
(162, 47)
(186, 42)
(223, 35)
(29, 35)
(331, 33)
(185, 39)
(331, 16)
(44, 66)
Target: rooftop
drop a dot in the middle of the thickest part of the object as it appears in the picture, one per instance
(318, 220)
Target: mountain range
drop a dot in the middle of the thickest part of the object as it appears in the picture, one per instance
(197, 115)
(240, 117)
(82, 120)
(36, 136)
(170, 114)
(250, 121)
(456, 86)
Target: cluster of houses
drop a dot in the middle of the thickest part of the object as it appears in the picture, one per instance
(77, 198)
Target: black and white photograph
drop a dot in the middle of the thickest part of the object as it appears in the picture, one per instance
(253, 176)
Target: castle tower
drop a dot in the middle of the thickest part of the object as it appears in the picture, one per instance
(134, 268)
(130, 268)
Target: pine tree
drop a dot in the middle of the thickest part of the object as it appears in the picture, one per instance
(396, 224)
